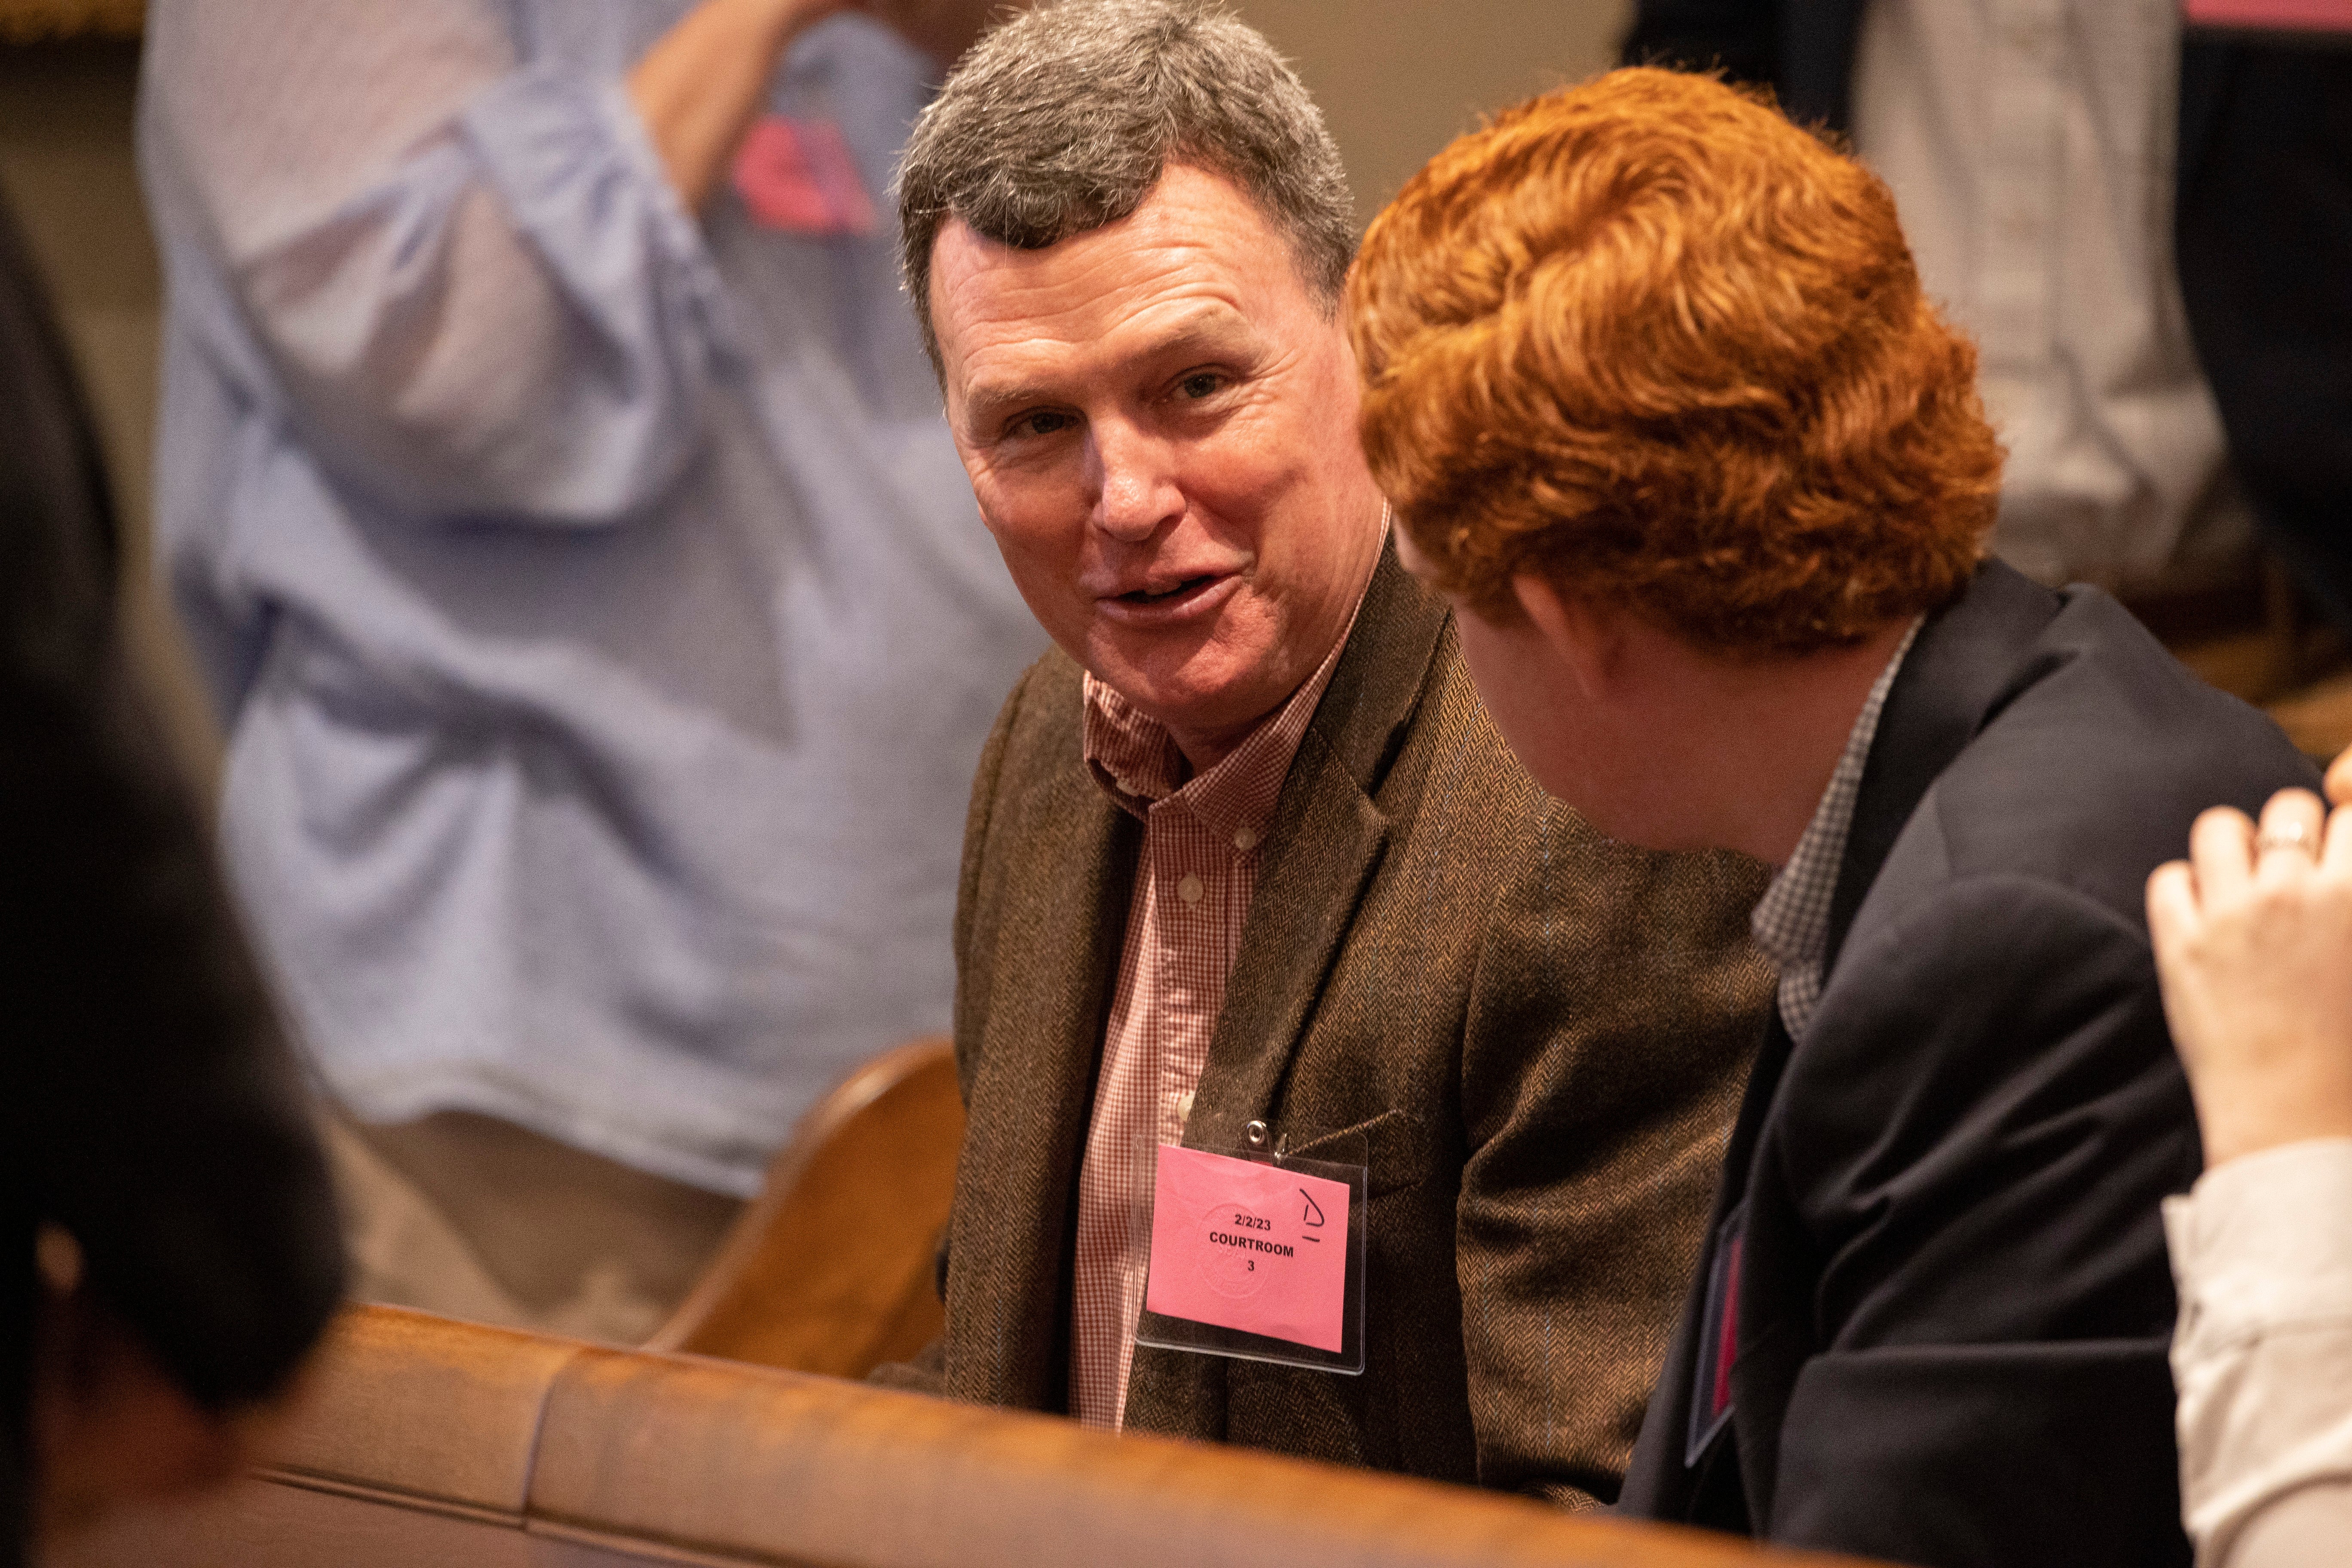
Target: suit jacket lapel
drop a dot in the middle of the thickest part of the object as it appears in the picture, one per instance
(1958, 674)
(1016, 1185)
(1327, 841)
(1770, 1348)
(1959, 669)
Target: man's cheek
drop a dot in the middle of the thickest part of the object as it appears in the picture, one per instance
(1045, 569)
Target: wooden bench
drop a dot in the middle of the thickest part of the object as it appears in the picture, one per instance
(428, 1442)
(830, 1268)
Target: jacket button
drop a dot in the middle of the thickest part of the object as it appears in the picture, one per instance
(1254, 1133)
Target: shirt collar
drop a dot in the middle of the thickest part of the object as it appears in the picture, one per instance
(1791, 921)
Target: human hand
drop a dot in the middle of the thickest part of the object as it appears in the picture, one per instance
(2254, 950)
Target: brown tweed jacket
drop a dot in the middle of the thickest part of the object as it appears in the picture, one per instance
(1540, 1037)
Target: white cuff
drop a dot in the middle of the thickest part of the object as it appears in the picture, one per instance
(2265, 1242)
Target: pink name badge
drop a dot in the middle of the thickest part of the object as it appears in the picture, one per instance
(2271, 15)
(797, 175)
(1240, 1245)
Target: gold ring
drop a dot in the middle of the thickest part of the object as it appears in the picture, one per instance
(2293, 836)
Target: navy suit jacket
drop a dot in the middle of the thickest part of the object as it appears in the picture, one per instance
(1953, 1304)
(2262, 233)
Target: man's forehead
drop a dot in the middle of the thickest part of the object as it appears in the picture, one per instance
(1194, 257)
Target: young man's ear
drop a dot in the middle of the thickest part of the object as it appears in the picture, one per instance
(1587, 638)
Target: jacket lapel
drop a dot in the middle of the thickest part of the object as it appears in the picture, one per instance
(1327, 841)
(1057, 959)
(1960, 671)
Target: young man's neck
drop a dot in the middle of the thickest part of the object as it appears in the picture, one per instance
(1788, 721)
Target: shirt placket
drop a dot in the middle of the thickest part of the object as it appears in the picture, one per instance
(1179, 895)
(1192, 894)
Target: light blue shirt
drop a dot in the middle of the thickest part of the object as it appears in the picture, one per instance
(602, 624)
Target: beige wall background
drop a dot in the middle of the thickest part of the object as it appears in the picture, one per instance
(1397, 79)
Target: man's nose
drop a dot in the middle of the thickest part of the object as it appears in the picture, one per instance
(1138, 491)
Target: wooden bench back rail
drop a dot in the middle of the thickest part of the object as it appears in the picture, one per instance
(431, 1442)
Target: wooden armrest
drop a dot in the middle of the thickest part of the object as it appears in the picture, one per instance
(830, 1268)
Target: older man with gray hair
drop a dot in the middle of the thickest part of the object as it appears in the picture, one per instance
(1331, 1090)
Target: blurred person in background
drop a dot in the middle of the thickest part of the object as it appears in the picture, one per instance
(1665, 411)
(2147, 234)
(554, 489)
(165, 1208)
(2254, 943)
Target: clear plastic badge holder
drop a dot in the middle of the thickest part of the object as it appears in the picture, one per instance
(1238, 1231)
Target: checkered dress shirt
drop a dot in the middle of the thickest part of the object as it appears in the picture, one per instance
(1791, 921)
(1192, 889)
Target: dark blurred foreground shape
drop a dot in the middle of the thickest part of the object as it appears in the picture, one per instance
(154, 1144)
(430, 1441)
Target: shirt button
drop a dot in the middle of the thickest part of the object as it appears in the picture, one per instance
(1245, 840)
(1189, 889)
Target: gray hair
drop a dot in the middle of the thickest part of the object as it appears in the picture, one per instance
(1061, 120)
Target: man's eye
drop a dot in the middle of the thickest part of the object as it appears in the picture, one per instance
(1043, 421)
(1201, 383)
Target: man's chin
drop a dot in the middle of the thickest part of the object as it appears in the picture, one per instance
(1186, 697)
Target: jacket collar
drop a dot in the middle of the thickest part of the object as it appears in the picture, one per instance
(1328, 839)
(1960, 672)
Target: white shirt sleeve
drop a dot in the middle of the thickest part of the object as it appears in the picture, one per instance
(477, 291)
(2263, 1252)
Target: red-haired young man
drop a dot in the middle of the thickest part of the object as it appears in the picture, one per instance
(1652, 383)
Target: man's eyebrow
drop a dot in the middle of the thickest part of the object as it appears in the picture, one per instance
(983, 404)
(1214, 326)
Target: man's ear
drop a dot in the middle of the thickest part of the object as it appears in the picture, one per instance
(1589, 638)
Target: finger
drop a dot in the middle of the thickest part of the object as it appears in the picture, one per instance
(2287, 842)
(2337, 857)
(2222, 851)
(2172, 912)
(2339, 778)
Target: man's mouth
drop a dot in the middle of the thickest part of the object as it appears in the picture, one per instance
(1146, 597)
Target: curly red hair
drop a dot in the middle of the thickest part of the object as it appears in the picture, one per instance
(1647, 339)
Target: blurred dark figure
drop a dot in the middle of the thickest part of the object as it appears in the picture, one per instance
(160, 1190)
(2263, 231)
(2261, 202)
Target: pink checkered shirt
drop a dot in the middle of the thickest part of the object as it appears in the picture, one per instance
(1193, 888)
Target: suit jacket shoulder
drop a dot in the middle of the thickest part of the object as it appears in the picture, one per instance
(1956, 1286)
(2095, 752)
